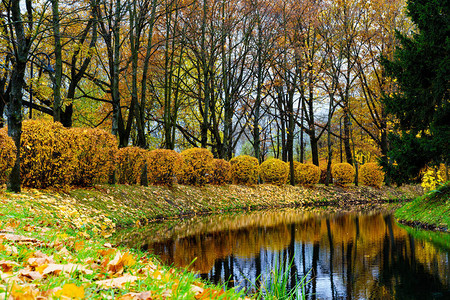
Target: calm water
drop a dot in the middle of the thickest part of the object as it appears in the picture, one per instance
(343, 255)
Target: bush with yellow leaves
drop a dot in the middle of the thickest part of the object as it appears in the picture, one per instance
(433, 176)
(244, 170)
(163, 165)
(197, 166)
(274, 171)
(7, 155)
(130, 161)
(96, 154)
(307, 174)
(343, 174)
(221, 173)
(371, 174)
(47, 159)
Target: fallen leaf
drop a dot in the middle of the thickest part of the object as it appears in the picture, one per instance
(71, 291)
(29, 274)
(18, 238)
(66, 268)
(20, 292)
(117, 282)
(7, 265)
(120, 261)
(137, 296)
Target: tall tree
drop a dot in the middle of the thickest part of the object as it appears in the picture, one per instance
(421, 66)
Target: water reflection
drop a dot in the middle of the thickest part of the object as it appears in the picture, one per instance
(345, 255)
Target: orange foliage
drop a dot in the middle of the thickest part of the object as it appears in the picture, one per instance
(274, 171)
(307, 174)
(221, 173)
(197, 166)
(130, 163)
(244, 170)
(7, 155)
(371, 174)
(343, 174)
(162, 166)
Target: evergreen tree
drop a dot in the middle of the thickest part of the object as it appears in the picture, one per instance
(421, 66)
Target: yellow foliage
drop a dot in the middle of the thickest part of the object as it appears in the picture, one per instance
(221, 173)
(130, 163)
(434, 176)
(323, 175)
(46, 155)
(96, 153)
(163, 165)
(371, 174)
(343, 174)
(7, 155)
(197, 166)
(274, 171)
(307, 174)
(244, 169)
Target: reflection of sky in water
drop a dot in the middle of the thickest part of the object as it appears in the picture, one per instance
(372, 257)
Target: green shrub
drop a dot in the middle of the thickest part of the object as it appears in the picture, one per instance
(163, 165)
(130, 161)
(371, 174)
(274, 171)
(244, 170)
(7, 155)
(307, 174)
(221, 172)
(47, 158)
(343, 174)
(96, 155)
(197, 166)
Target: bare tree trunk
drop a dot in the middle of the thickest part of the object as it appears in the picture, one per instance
(58, 63)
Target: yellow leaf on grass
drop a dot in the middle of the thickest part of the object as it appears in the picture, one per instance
(71, 291)
(19, 292)
(120, 261)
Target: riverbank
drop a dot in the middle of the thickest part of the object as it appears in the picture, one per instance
(56, 245)
(430, 211)
(127, 205)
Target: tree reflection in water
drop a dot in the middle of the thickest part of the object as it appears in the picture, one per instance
(346, 255)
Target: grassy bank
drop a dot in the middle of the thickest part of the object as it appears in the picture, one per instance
(431, 211)
(57, 245)
(127, 205)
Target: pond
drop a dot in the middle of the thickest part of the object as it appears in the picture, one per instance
(350, 255)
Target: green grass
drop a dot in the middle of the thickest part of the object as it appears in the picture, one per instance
(432, 209)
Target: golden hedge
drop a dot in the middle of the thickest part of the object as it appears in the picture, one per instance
(163, 165)
(343, 174)
(7, 155)
(371, 174)
(221, 173)
(130, 161)
(47, 159)
(274, 171)
(197, 166)
(307, 174)
(244, 170)
(96, 154)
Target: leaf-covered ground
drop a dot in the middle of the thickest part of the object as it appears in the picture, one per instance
(51, 247)
(57, 246)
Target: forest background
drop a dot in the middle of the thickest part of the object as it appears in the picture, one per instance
(295, 80)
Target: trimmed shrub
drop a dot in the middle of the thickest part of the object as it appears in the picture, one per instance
(7, 155)
(274, 171)
(244, 170)
(163, 165)
(96, 154)
(221, 172)
(307, 174)
(343, 174)
(197, 166)
(371, 174)
(46, 155)
(130, 161)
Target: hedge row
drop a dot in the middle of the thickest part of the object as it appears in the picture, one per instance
(53, 156)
